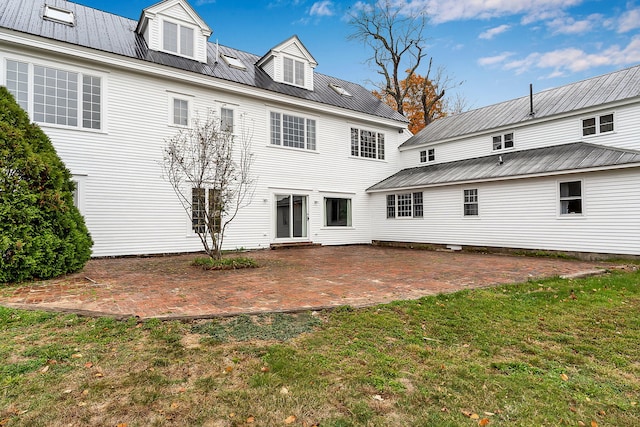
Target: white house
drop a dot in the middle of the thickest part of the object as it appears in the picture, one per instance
(557, 171)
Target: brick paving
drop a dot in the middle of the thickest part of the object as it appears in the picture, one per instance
(287, 280)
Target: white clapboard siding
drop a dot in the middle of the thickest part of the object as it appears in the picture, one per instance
(525, 214)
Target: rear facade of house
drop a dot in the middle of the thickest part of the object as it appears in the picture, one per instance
(333, 165)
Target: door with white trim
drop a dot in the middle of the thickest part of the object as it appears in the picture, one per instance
(292, 216)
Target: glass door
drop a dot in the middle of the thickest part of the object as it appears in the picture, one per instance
(291, 216)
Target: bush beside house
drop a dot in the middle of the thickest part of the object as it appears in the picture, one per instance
(42, 233)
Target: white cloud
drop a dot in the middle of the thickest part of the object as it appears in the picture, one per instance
(492, 32)
(568, 25)
(493, 60)
(562, 61)
(322, 8)
(630, 20)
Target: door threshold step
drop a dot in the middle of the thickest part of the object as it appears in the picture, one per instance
(289, 245)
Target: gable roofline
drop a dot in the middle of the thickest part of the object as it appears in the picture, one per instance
(151, 11)
(537, 162)
(281, 46)
(618, 86)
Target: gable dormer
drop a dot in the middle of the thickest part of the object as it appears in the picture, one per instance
(172, 26)
(290, 63)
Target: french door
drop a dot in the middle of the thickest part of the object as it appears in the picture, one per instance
(291, 216)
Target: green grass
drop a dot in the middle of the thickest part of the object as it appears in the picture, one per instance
(228, 263)
(550, 353)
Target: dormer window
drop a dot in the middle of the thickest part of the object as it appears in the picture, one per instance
(57, 14)
(293, 71)
(177, 38)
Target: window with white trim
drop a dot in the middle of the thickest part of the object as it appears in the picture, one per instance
(206, 208)
(597, 125)
(177, 38)
(293, 131)
(471, 202)
(226, 119)
(337, 212)
(180, 114)
(405, 205)
(503, 142)
(293, 71)
(367, 143)
(58, 96)
(571, 198)
(428, 155)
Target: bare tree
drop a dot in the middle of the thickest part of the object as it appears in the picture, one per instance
(209, 169)
(397, 42)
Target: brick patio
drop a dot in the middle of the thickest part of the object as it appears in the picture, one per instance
(288, 280)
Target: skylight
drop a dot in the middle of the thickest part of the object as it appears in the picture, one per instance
(233, 62)
(340, 90)
(57, 14)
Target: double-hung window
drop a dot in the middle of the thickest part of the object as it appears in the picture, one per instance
(293, 71)
(180, 112)
(405, 205)
(367, 143)
(226, 119)
(571, 198)
(293, 131)
(57, 96)
(471, 202)
(206, 208)
(503, 142)
(337, 212)
(177, 38)
(597, 125)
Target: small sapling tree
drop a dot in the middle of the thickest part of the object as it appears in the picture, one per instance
(209, 168)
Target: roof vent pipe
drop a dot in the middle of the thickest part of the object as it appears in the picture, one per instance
(531, 112)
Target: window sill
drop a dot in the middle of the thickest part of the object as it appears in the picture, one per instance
(73, 128)
(297, 150)
(337, 227)
(370, 159)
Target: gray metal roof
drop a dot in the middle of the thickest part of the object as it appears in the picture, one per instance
(601, 90)
(107, 32)
(566, 157)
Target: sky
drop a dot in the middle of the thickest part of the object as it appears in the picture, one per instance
(491, 50)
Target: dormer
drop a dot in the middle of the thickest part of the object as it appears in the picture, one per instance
(290, 63)
(172, 26)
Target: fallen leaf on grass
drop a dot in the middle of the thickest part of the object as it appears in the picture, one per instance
(264, 369)
(483, 422)
(581, 424)
(594, 424)
(290, 419)
(475, 417)
(85, 392)
(564, 377)
(489, 414)
(123, 425)
(251, 420)
(99, 375)
(228, 369)
(44, 370)
(284, 390)
(88, 365)
(76, 356)
(378, 397)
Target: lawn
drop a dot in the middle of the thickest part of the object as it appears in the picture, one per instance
(548, 353)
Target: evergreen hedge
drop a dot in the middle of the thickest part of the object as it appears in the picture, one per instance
(42, 233)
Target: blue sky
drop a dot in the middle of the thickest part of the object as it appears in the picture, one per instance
(495, 47)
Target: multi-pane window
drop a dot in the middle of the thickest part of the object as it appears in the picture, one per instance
(501, 142)
(405, 205)
(226, 119)
(428, 155)
(471, 202)
(58, 96)
(177, 38)
(180, 112)
(571, 197)
(597, 125)
(293, 131)
(367, 143)
(206, 207)
(337, 212)
(293, 71)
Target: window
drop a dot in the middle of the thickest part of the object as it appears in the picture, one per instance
(180, 112)
(57, 14)
(367, 143)
(405, 205)
(340, 90)
(471, 202)
(233, 62)
(58, 96)
(428, 155)
(177, 38)
(597, 125)
(226, 119)
(293, 131)
(571, 198)
(337, 212)
(501, 142)
(293, 71)
(205, 206)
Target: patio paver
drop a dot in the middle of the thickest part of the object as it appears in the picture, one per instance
(288, 280)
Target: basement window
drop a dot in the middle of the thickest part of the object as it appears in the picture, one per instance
(57, 14)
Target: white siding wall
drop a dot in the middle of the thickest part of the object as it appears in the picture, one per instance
(538, 134)
(524, 214)
(130, 209)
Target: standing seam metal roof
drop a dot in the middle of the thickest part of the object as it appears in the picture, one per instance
(107, 32)
(601, 90)
(558, 158)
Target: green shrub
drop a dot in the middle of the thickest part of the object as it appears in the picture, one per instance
(42, 233)
(208, 263)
